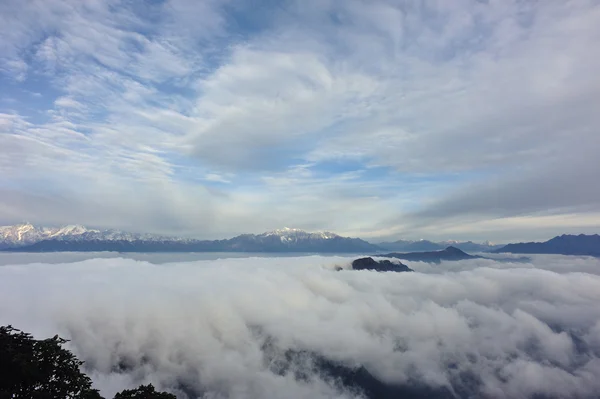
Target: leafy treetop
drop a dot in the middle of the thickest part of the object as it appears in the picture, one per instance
(43, 369)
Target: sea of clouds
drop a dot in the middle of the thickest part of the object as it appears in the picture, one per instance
(294, 327)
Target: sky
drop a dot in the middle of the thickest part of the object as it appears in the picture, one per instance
(378, 119)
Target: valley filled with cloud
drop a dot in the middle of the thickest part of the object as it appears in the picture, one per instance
(296, 327)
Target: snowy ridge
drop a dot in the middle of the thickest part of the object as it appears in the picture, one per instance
(71, 230)
(74, 237)
(290, 234)
(26, 234)
(28, 238)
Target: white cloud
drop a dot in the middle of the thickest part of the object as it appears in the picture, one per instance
(495, 99)
(222, 327)
(257, 107)
(17, 68)
(67, 102)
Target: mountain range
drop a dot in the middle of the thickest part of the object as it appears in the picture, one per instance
(25, 234)
(28, 238)
(561, 245)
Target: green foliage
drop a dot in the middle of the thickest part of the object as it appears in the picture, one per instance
(40, 369)
(144, 392)
(43, 369)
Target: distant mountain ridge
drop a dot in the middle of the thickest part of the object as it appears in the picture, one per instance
(411, 246)
(448, 254)
(565, 244)
(27, 238)
(426, 245)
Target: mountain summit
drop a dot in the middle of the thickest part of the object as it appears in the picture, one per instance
(290, 234)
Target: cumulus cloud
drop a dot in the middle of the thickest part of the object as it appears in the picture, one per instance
(296, 327)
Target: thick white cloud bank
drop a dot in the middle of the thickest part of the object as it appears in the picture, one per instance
(294, 327)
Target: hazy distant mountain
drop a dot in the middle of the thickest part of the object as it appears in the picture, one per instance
(450, 253)
(425, 245)
(411, 246)
(26, 238)
(470, 246)
(562, 245)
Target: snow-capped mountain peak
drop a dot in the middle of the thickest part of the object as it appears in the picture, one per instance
(27, 234)
(19, 232)
(291, 234)
(284, 231)
(70, 230)
(450, 242)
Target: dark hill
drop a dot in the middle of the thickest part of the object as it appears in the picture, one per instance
(379, 266)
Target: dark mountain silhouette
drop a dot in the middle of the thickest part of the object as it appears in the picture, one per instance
(561, 245)
(379, 266)
(450, 253)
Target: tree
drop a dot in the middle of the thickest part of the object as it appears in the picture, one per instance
(43, 369)
(40, 369)
(144, 392)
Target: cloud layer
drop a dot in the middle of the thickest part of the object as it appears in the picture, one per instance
(279, 327)
(379, 119)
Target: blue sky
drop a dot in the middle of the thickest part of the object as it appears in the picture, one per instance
(380, 119)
